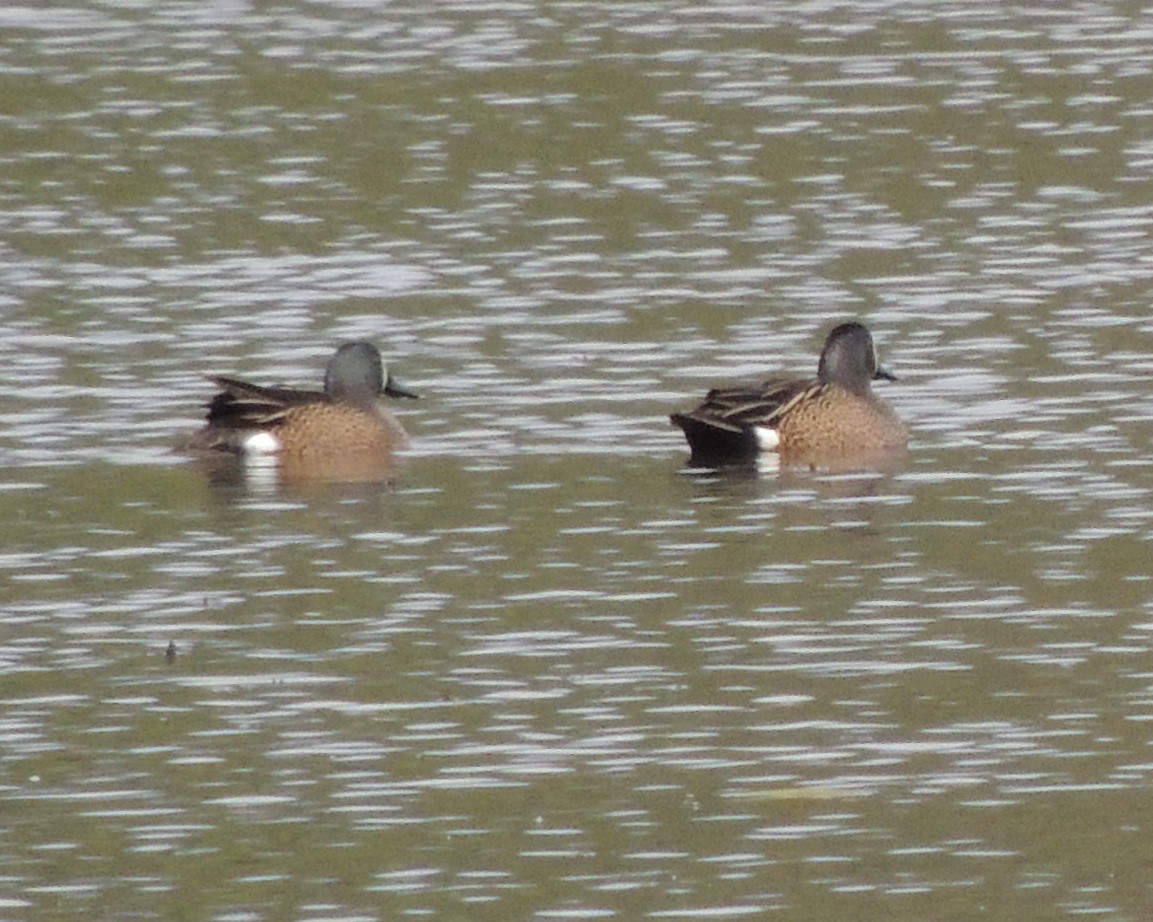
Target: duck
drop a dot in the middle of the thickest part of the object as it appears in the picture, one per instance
(834, 414)
(344, 422)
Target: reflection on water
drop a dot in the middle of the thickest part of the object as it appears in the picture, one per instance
(545, 668)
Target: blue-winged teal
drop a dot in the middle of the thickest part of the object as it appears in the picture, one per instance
(345, 423)
(831, 415)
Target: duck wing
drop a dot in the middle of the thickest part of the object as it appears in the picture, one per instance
(722, 427)
(241, 405)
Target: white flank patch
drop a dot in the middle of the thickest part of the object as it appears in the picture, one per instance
(767, 439)
(261, 443)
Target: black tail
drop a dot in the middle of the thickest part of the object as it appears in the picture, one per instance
(714, 444)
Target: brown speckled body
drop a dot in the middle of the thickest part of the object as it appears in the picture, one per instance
(332, 441)
(325, 430)
(831, 420)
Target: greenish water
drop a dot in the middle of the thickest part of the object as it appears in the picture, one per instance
(547, 673)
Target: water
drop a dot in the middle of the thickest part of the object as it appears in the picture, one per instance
(548, 673)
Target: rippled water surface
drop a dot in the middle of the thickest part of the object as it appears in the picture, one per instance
(548, 673)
